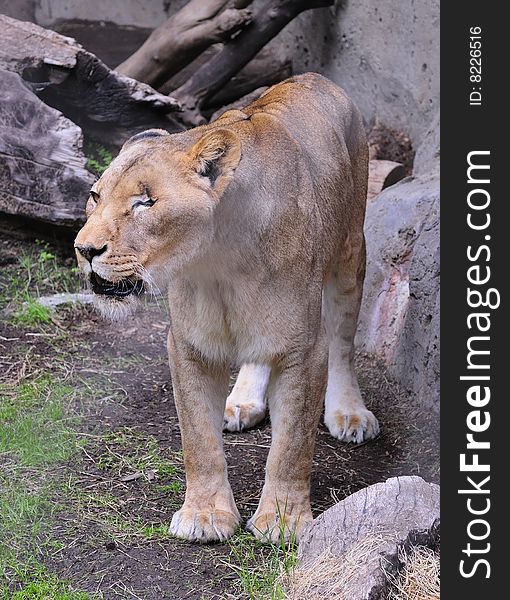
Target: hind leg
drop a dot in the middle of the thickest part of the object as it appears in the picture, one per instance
(246, 404)
(346, 415)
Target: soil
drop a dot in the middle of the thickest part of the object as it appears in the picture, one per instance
(130, 358)
(389, 144)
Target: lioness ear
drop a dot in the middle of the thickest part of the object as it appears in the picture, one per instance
(215, 157)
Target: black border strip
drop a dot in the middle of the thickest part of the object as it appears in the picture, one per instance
(469, 128)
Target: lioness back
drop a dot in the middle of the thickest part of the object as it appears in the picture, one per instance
(304, 149)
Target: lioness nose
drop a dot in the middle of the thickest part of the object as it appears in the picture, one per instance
(89, 252)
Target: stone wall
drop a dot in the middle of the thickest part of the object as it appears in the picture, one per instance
(384, 54)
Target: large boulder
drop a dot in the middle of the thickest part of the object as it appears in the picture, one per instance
(42, 165)
(359, 536)
(399, 319)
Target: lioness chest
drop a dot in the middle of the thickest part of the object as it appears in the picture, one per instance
(246, 322)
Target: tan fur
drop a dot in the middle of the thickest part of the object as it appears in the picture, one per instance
(254, 214)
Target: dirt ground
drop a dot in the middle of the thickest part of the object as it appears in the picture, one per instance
(118, 492)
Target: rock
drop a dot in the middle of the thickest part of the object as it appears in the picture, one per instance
(428, 152)
(399, 319)
(382, 174)
(369, 525)
(384, 54)
(65, 298)
(42, 166)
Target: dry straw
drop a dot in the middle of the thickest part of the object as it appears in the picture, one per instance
(419, 578)
(328, 576)
(332, 577)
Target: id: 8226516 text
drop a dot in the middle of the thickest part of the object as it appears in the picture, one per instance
(475, 66)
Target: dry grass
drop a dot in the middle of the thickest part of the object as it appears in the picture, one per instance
(330, 576)
(420, 577)
(334, 577)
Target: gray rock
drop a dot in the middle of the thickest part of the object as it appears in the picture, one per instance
(384, 54)
(42, 166)
(377, 517)
(65, 298)
(399, 319)
(427, 156)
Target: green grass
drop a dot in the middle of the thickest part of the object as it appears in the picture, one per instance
(115, 520)
(39, 271)
(161, 531)
(128, 451)
(131, 456)
(176, 487)
(31, 313)
(263, 568)
(99, 160)
(34, 426)
(36, 436)
(41, 585)
(259, 566)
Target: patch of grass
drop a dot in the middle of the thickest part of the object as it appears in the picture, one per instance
(161, 531)
(38, 584)
(176, 487)
(113, 515)
(34, 426)
(129, 451)
(31, 313)
(35, 436)
(127, 459)
(260, 566)
(39, 271)
(99, 160)
(21, 510)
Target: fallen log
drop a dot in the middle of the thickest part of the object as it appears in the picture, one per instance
(261, 72)
(108, 106)
(183, 37)
(186, 72)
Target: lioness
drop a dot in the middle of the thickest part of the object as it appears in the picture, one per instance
(251, 223)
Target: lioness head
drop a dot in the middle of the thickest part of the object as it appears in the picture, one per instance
(151, 212)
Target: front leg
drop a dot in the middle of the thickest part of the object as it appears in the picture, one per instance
(295, 405)
(209, 512)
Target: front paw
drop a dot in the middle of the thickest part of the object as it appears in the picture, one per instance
(277, 527)
(356, 426)
(204, 525)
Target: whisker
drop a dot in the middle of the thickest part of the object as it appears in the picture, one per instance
(154, 290)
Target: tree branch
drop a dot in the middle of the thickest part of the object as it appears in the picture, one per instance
(185, 35)
(271, 18)
(264, 70)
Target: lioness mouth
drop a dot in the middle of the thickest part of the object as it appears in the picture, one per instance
(120, 289)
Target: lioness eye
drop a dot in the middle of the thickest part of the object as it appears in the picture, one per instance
(94, 195)
(143, 202)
